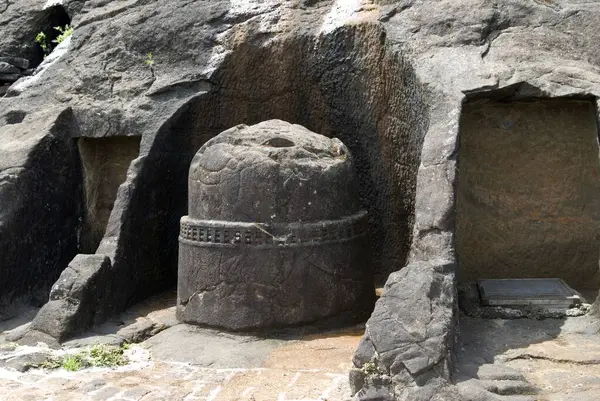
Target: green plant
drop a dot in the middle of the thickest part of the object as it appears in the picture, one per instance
(51, 363)
(102, 356)
(42, 41)
(65, 32)
(106, 356)
(73, 363)
(372, 368)
(149, 60)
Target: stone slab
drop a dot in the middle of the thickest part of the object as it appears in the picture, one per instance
(210, 348)
(514, 292)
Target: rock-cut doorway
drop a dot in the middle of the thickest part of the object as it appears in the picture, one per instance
(528, 201)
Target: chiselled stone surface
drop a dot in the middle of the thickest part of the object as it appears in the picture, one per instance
(528, 202)
(275, 235)
(176, 111)
(188, 363)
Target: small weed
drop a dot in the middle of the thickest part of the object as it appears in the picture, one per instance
(65, 32)
(52, 363)
(149, 60)
(102, 356)
(42, 39)
(371, 368)
(73, 363)
(106, 357)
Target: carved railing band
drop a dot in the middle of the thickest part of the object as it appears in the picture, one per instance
(207, 233)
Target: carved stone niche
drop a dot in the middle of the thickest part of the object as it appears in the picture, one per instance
(275, 235)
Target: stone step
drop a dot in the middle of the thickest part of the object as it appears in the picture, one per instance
(489, 372)
(474, 390)
(508, 387)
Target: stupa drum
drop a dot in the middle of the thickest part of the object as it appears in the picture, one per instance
(275, 235)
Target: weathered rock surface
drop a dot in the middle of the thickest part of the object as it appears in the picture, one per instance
(79, 299)
(209, 348)
(275, 235)
(6, 68)
(410, 334)
(18, 62)
(23, 363)
(528, 359)
(391, 76)
(40, 209)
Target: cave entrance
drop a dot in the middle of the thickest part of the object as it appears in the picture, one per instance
(54, 17)
(528, 201)
(104, 163)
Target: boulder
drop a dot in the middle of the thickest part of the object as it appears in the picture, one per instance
(78, 300)
(411, 332)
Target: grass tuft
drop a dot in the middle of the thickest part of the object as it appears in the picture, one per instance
(101, 356)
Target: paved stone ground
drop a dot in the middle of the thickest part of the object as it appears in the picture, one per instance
(521, 359)
(153, 381)
(558, 358)
(187, 363)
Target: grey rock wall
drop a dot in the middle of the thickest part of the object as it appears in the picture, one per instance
(387, 77)
(40, 194)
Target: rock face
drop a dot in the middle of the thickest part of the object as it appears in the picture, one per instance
(39, 191)
(410, 334)
(275, 235)
(390, 79)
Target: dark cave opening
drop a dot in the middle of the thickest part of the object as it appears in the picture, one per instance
(52, 18)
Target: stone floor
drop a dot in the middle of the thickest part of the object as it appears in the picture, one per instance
(510, 360)
(526, 359)
(186, 363)
(154, 380)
